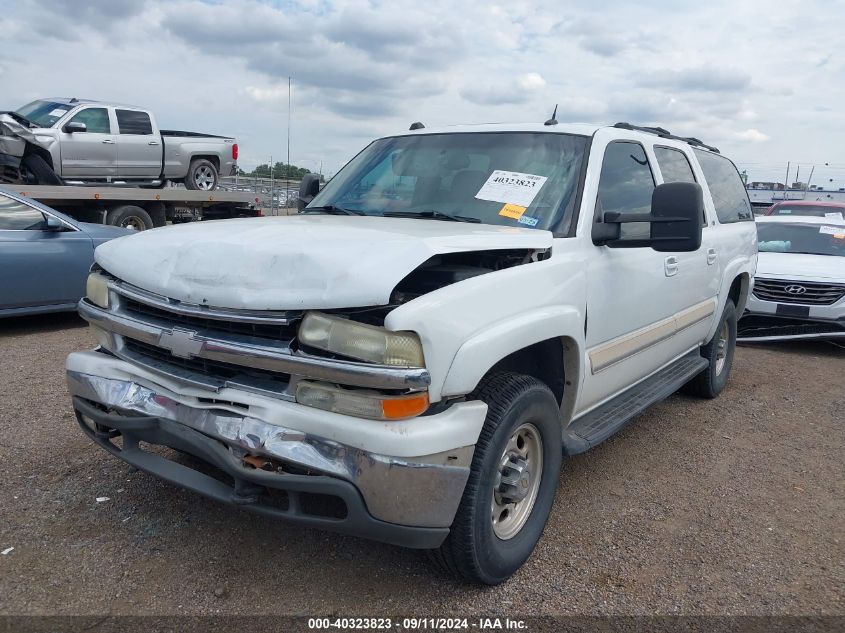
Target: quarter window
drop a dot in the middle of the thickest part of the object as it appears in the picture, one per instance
(134, 122)
(96, 120)
(625, 186)
(16, 216)
(729, 195)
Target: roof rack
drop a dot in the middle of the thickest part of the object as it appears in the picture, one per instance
(664, 133)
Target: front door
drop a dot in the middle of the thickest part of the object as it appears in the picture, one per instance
(90, 154)
(633, 294)
(39, 267)
(139, 150)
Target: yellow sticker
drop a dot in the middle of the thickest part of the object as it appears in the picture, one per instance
(513, 211)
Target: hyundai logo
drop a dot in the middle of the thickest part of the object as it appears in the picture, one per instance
(796, 289)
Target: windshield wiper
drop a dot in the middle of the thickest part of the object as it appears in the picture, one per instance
(431, 215)
(333, 210)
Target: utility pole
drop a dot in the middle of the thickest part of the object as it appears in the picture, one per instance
(272, 189)
(287, 184)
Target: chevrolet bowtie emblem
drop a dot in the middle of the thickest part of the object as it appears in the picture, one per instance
(181, 343)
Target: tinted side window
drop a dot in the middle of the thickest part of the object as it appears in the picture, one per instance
(16, 216)
(134, 122)
(673, 165)
(726, 188)
(95, 119)
(626, 184)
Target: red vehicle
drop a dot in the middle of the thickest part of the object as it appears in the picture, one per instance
(815, 208)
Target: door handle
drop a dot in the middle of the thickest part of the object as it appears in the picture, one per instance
(711, 256)
(108, 141)
(153, 143)
(670, 266)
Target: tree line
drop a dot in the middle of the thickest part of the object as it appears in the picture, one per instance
(281, 171)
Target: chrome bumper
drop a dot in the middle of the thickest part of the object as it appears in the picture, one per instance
(419, 491)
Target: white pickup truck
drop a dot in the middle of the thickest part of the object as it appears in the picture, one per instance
(410, 357)
(78, 141)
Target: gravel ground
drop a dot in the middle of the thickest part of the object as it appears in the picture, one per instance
(730, 506)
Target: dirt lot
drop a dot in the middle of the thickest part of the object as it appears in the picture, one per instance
(730, 506)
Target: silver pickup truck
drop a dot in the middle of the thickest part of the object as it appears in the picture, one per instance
(78, 141)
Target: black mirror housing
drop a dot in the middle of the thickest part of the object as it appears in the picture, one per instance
(75, 126)
(677, 209)
(677, 213)
(308, 188)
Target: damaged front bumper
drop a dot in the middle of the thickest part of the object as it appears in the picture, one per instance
(409, 501)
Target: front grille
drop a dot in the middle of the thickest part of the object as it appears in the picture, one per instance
(273, 331)
(216, 370)
(814, 293)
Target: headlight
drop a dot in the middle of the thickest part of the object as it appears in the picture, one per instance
(361, 341)
(361, 404)
(97, 290)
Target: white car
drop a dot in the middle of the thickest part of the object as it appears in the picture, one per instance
(799, 291)
(455, 311)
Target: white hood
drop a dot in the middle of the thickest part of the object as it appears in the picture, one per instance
(296, 262)
(800, 266)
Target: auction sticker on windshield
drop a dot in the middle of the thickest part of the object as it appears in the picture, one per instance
(511, 187)
(836, 231)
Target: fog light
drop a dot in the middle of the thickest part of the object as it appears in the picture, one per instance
(97, 290)
(360, 404)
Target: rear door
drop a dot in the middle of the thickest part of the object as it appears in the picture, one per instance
(40, 267)
(699, 270)
(139, 150)
(89, 154)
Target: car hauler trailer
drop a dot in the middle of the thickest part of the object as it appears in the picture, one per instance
(138, 208)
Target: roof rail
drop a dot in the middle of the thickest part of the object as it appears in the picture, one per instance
(664, 133)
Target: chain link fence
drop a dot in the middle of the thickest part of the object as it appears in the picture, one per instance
(276, 196)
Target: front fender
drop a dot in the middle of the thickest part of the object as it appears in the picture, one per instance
(487, 347)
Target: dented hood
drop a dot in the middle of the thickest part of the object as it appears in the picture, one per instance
(296, 262)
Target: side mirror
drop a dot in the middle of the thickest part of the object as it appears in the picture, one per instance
(308, 188)
(75, 126)
(53, 224)
(677, 211)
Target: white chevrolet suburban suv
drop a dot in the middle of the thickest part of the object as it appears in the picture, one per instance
(409, 358)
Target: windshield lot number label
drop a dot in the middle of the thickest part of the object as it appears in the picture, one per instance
(511, 187)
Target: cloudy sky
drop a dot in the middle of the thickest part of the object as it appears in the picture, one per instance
(764, 81)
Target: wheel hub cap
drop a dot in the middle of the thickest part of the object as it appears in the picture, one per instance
(517, 481)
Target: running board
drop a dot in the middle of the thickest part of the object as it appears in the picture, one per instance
(599, 424)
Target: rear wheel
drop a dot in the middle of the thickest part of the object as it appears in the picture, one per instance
(720, 352)
(130, 217)
(202, 175)
(512, 481)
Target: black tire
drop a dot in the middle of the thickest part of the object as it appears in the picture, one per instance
(473, 551)
(711, 382)
(130, 217)
(202, 171)
(41, 170)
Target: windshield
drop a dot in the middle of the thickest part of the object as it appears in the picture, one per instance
(44, 113)
(819, 211)
(814, 239)
(521, 179)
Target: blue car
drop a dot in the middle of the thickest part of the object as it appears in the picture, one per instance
(44, 256)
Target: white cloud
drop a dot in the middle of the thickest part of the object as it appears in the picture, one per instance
(752, 136)
(362, 69)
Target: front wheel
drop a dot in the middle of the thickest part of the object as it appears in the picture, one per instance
(512, 481)
(202, 176)
(720, 352)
